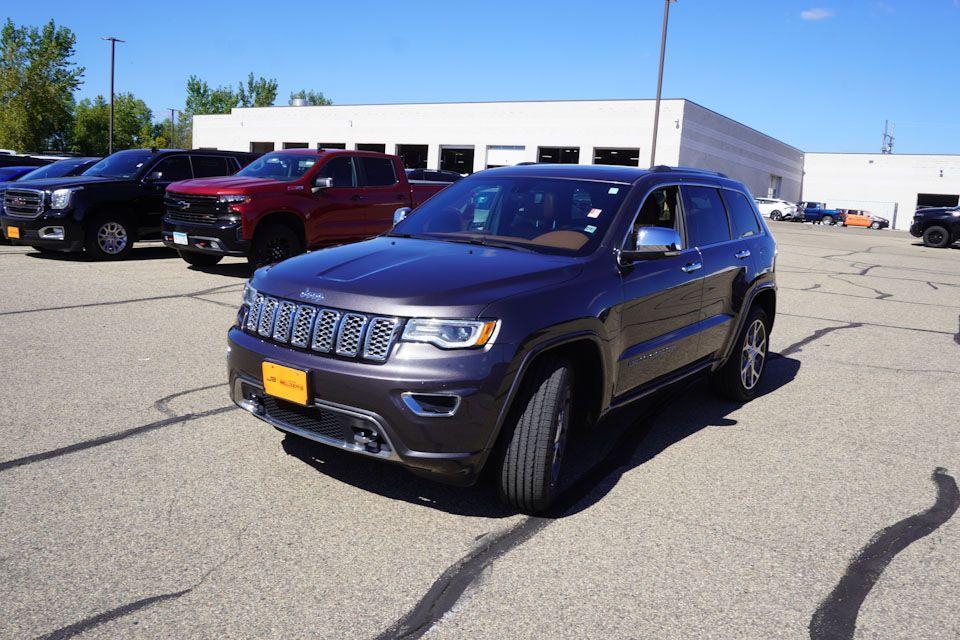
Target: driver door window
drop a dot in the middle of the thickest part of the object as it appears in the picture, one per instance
(173, 169)
(342, 170)
(660, 209)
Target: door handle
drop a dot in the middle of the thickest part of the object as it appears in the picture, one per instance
(690, 267)
(742, 254)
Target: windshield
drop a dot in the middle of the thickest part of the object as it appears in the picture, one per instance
(279, 166)
(54, 170)
(551, 215)
(12, 173)
(122, 164)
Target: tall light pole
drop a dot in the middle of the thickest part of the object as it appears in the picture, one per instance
(656, 110)
(113, 46)
(173, 126)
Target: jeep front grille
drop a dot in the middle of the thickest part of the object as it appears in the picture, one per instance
(321, 330)
(23, 203)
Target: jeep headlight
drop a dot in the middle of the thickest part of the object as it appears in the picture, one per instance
(249, 295)
(451, 334)
(60, 198)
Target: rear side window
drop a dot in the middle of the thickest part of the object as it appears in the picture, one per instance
(705, 215)
(379, 172)
(208, 166)
(174, 168)
(742, 218)
(341, 170)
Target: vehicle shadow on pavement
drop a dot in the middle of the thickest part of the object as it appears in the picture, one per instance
(622, 441)
(232, 270)
(137, 253)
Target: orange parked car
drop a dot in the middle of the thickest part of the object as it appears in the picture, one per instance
(859, 218)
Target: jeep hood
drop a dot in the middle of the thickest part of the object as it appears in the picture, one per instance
(413, 277)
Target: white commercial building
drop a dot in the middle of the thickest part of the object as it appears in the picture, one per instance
(468, 137)
(890, 185)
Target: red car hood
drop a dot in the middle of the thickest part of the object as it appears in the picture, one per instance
(227, 184)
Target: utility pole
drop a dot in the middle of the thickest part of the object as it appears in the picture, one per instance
(656, 111)
(173, 126)
(888, 128)
(113, 46)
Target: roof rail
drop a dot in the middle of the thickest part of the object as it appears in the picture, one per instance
(663, 168)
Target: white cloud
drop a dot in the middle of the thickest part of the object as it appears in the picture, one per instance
(816, 13)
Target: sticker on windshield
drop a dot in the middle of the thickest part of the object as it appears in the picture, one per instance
(613, 191)
(594, 213)
(589, 228)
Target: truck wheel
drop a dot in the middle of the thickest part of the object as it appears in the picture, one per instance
(530, 469)
(827, 220)
(776, 215)
(274, 243)
(200, 259)
(108, 237)
(739, 378)
(936, 236)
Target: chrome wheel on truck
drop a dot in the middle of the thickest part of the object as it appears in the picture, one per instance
(108, 237)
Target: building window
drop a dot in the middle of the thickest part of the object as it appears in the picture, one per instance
(371, 146)
(936, 200)
(457, 159)
(331, 145)
(414, 156)
(776, 185)
(558, 155)
(622, 157)
(261, 147)
(295, 145)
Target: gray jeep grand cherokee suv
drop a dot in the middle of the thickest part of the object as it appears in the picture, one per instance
(513, 305)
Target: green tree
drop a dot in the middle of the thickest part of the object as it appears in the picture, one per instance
(37, 81)
(316, 98)
(261, 92)
(201, 99)
(133, 125)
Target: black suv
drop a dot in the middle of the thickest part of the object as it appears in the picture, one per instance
(511, 305)
(938, 226)
(114, 203)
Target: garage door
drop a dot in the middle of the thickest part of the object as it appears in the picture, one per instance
(505, 155)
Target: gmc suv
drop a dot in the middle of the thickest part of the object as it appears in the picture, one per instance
(114, 203)
(509, 307)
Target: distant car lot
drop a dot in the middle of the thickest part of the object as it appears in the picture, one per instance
(137, 502)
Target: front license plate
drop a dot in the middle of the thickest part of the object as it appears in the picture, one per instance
(180, 238)
(285, 383)
(13, 232)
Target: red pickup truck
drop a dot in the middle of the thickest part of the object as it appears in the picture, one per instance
(286, 202)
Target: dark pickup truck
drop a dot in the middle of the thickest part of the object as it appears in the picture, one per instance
(287, 202)
(938, 226)
(111, 205)
(511, 307)
(819, 212)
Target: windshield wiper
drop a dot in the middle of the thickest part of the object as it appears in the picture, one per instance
(488, 243)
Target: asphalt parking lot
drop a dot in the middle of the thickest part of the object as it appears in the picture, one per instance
(135, 501)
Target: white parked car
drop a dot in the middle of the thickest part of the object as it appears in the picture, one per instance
(776, 209)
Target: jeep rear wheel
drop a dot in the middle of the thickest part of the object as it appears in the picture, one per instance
(739, 378)
(533, 456)
(198, 259)
(936, 236)
(274, 243)
(109, 237)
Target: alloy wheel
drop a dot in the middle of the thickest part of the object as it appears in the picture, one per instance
(112, 238)
(753, 354)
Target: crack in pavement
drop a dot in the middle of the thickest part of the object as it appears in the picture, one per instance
(173, 296)
(86, 624)
(798, 346)
(163, 404)
(836, 617)
(881, 295)
(867, 324)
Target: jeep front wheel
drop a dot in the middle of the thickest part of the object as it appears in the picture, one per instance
(530, 470)
(936, 236)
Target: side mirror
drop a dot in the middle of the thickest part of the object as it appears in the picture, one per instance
(154, 176)
(321, 183)
(651, 243)
(400, 214)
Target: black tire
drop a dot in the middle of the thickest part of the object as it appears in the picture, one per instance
(937, 237)
(874, 225)
(776, 215)
(538, 429)
(729, 379)
(198, 259)
(274, 243)
(827, 220)
(109, 237)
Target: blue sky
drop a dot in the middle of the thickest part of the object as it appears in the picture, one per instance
(821, 75)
